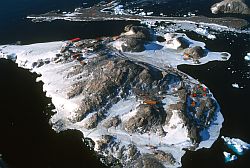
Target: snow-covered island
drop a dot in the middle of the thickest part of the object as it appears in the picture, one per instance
(126, 94)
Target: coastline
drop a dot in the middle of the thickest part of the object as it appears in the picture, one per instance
(98, 13)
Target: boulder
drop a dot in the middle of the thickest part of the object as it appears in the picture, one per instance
(140, 32)
(194, 53)
(134, 38)
(132, 44)
(231, 6)
(175, 42)
(183, 43)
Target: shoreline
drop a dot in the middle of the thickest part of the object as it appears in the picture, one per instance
(98, 13)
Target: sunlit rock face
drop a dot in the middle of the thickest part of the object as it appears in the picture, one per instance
(134, 38)
(231, 6)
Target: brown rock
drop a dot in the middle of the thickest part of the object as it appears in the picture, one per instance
(194, 53)
(146, 119)
(112, 122)
(164, 157)
(92, 122)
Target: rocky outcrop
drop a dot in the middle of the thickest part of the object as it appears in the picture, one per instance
(114, 78)
(104, 141)
(175, 42)
(112, 122)
(193, 134)
(164, 157)
(147, 118)
(146, 161)
(138, 32)
(116, 154)
(231, 6)
(132, 44)
(105, 78)
(194, 53)
(92, 121)
(134, 38)
(40, 63)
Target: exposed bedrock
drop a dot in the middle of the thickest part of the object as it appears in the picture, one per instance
(107, 80)
(231, 6)
(134, 38)
(176, 42)
(146, 161)
(194, 53)
(147, 118)
(116, 154)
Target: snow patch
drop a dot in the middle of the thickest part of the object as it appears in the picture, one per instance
(204, 32)
(118, 10)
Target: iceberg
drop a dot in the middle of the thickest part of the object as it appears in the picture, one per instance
(247, 57)
(235, 85)
(229, 157)
(236, 145)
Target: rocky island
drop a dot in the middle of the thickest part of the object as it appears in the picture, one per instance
(113, 11)
(125, 93)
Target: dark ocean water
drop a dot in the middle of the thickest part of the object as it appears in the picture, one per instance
(26, 138)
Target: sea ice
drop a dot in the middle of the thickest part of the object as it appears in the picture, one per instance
(238, 146)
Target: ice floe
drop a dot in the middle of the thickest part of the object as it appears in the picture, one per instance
(236, 145)
(247, 57)
(236, 85)
(229, 157)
